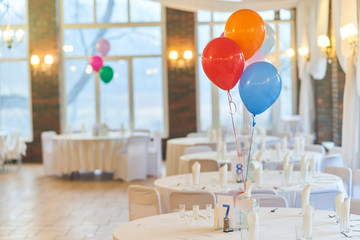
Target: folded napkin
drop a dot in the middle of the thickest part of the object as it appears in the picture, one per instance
(83, 129)
(339, 199)
(305, 196)
(258, 156)
(278, 150)
(258, 175)
(208, 132)
(68, 129)
(223, 175)
(297, 146)
(253, 223)
(288, 174)
(304, 167)
(104, 130)
(263, 143)
(313, 165)
(247, 193)
(307, 221)
(218, 146)
(284, 144)
(286, 160)
(213, 135)
(122, 130)
(302, 144)
(196, 173)
(216, 217)
(345, 214)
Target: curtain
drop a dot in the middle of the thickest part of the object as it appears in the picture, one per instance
(311, 21)
(228, 5)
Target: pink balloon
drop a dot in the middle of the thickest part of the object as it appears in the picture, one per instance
(103, 47)
(258, 56)
(222, 35)
(96, 63)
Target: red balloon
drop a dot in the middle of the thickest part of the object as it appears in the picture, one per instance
(223, 62)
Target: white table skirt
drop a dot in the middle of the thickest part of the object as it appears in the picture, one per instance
(279, 225)
(84, 152)
(209, 181)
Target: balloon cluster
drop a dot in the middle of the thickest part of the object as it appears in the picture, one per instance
(96, 62)
(239, 55)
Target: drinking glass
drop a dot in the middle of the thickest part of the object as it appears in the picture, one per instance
(299, 232)
(208, 210)
(182, 210)
(195, 212)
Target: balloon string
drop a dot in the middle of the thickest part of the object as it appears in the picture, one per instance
(252, 135)
(236, 142)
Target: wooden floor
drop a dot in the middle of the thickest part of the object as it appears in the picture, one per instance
(35, 206)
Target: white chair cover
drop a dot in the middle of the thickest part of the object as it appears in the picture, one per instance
(315, 148)
(16, 146)
(143, 202)
(133, 165)
(206, 165)
(355, 206)
(3, 149)
(154, 164)
(344, 173)
(324, 200)
(211, 145)
(331, 160)
(197, 149)
(190, 198)
(356, 184)
(47, 151)
(336, 150)
(196, 134)
(269, 200)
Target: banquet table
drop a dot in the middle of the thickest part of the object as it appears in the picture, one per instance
(209, 181)
(175, 149)
(77, 152)
(279, 225)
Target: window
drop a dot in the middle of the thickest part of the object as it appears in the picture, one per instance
(135, 96)
(213, 106)
(15, 101)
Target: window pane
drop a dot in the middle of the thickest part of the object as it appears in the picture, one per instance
(284, 36)
(285, 14)
(204, 16)
(14, 102)
(145, 11)
(267, 15)
(205, 103)
(80, 95)
(78, 11)
(114, 96)
(125, 41)
(148, 94)
(17, 12)
(221, 16)
(18, 49)
(111, 11)
(218, 30)
(286, 92)
(203, 37)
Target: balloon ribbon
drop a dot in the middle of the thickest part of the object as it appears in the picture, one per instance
(252, 135)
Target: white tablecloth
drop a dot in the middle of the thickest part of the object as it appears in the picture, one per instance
(279, 225)
(271, 180)
(85, 152)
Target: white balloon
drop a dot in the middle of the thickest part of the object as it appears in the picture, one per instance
(269, 40)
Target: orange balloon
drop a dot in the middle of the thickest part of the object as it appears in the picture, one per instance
(247, 29)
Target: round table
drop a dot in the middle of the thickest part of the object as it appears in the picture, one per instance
(279, 225)
(85, 152)
(209, 181)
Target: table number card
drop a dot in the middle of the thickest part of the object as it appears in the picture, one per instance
(226, 200)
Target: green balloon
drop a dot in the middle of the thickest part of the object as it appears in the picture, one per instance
(106, 74)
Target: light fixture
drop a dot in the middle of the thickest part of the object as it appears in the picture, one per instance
(290, 52)
(349, 32)
(180, 62)
(34, 60)
(324, 43)
(9, 34)
(43, 66)
(304, 52)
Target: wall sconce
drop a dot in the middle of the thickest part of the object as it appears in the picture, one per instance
(324, 43)
(44, 66)
(180, 62)
(304, 52)
(350, 33)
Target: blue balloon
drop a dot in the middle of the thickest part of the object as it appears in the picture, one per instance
(260, 86)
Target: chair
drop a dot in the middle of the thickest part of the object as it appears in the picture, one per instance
(331, 160)
(269, 200)
(196, 134)
(47, 151)
(154, 163)
(356, 184)
(355, 206)
(3, 150)
(206, 165)
(143, 202)
(133, 164)
(197, 149)
(344, 173)
(16, 147)
(211, 145)
(190, 198)
(336, 150)
(315, 148)
(324, 199)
